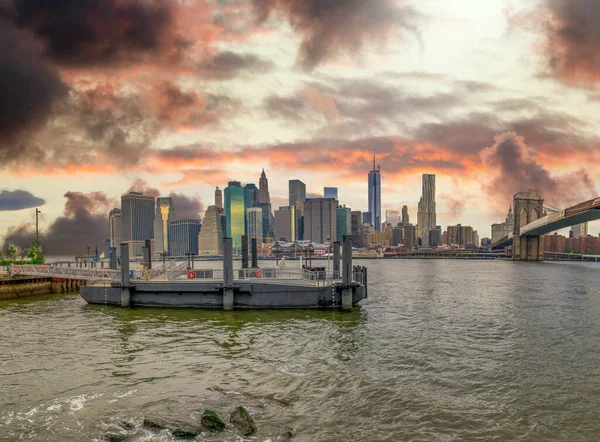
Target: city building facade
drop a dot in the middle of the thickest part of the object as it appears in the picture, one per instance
(115, 229)
(375, 196)
(392, 217)
(405, 217)
(235, 213)
(343, 216)
(357, 229)
(183, 236)
(210, 239)
(428, 208)
(218, 198)
(137, 220)
(285, 220)
(320, 219)
(263, 186)
(297, 192)
(254, 218)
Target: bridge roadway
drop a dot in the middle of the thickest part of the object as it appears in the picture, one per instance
(571, 216)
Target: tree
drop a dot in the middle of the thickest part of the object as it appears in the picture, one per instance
(11, 253)
(35, 253)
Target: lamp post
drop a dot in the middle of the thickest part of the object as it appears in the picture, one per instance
(328, 244)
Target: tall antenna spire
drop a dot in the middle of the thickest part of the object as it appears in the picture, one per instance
(373, 159)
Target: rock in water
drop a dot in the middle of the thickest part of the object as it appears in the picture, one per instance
(243, 421)
(179, 430)
(211, 421)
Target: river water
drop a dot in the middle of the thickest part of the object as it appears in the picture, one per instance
(441, 350)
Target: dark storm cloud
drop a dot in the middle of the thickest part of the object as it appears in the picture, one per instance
(29, 90)
(516, 168)
(573, 39)
(334, 26)
(83, 223)
(96, 32)
(287, 108)
(227, 65)
(18, 200)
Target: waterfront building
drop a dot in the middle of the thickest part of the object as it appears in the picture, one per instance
(500, 230)
(210, 239)
(392, 217)
(137, 220)
(343, 216)
(299, 225)
(435, 237)
(405, 218)
(107, 248)
(366, 216)
(267, 219)
(252, 195)
(297, 192)
(165, 212)
(579, 230)
(115, 229)
(427, 208)
(263, 185)
(254, 218)
(486, 242)
(320, 219)
(382, 239)
(409, 236)
(284, 224)
(235, 213)
(183, 236)
(460, 235)
(397, 236)
(375, 195)
(330, 192)
(218, 198)
(357, 229)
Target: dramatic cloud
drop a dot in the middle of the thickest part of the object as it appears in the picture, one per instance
(28, 91)
(227, 65)
(18, 200)
(331, 27)
(514, 168)
(84, 223)
(573, 33)
(99, 32)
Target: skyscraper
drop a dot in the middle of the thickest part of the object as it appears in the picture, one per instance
(210, 239)
(267, 218)
(235, 212)
(254, 222)
(405, 218)
(218, 198)
(252, 195)
(284, 226)
(320, 219)
(428, 221)
(137, 215)
(183, 236)
(263, 186)
(357, 229)
(165, 212)
(375, 195)
(297, 192)
(579, 230)
(343, 216)
(115, 229)
(330, 192)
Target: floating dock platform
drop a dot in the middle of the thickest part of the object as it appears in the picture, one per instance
(228, 289)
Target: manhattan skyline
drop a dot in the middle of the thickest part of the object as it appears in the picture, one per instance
(490, 97)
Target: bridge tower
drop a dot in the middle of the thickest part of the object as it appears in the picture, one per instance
(527, 207)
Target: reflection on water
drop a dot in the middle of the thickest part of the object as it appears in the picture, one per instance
(440, 350)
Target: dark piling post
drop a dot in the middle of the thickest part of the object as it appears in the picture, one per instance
(227, 274)
(244, 252)
(254, 254)
(148, 254)
(347, 272)
(336, 259)
(125, 294)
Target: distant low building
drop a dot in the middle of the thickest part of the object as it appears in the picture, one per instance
(183, 236)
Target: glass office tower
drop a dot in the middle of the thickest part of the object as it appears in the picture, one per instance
(235, 213)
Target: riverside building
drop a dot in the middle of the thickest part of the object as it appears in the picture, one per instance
(137, 216)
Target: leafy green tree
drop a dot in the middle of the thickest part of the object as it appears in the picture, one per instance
(11, 253)
(35, 253)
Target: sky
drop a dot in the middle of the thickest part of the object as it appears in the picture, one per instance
(176, 97)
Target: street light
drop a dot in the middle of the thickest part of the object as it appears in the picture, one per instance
(328, 244)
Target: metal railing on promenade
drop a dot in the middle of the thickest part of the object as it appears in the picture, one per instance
(88, 274)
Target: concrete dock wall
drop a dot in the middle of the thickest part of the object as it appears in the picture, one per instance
(22, 287)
